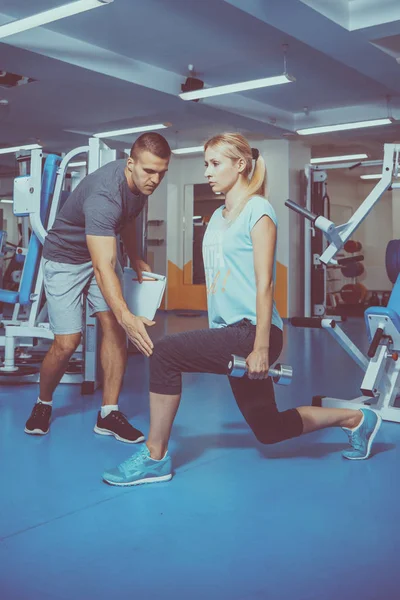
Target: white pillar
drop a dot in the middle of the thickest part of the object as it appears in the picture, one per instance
(299, 157)
(396, 214)
(285, 162)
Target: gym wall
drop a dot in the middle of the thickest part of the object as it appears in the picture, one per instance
(284, 160)
(376, 232)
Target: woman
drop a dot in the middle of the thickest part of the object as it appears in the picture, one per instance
(239, 259)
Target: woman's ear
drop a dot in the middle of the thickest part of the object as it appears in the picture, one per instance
(241, 165)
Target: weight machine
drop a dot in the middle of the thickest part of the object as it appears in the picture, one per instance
(38, 195)
(380, 386)
(323, 239)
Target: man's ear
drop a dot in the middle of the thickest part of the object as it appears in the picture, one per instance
(130, 163)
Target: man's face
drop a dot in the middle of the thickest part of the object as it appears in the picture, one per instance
(145, 172)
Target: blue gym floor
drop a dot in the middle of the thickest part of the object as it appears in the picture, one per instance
(292, 521)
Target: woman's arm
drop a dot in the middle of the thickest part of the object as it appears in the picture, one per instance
(263, 236)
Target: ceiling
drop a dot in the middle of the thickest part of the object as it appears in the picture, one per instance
(122, 65)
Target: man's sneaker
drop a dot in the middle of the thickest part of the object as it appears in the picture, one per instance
(140, 468)
(117, 424)
(361, 439)
(39, 421)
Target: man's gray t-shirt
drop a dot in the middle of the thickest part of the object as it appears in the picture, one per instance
(102, 204)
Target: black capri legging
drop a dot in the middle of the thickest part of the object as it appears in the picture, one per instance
(209, 351)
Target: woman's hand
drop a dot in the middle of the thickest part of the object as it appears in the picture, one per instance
(258, 364)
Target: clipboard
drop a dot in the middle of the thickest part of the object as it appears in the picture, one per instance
(143, 299)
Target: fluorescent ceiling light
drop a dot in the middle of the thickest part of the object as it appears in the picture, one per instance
(17, 148)
(6, 201)
(83, 163)
(191, 150)
(132, 130)
(331, 159)
(345, 126)
(237, 87)
(54, 14)
(372, 176)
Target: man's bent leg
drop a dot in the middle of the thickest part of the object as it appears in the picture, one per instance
(53, 368)
(55, 363)
(64, 284)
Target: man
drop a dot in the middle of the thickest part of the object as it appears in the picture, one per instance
(80, 258)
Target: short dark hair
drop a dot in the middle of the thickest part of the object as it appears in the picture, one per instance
(152, 142)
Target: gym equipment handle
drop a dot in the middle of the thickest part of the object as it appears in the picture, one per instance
(304, 212)
(350, 259)
(311, 322)
(375, 342)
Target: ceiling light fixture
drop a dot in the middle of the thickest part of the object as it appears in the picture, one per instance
(371, 176)
(331, 159)
(345, 126)
(193, 89)
(17, 148)
(190, 150)
(48, 16)
(231, 88)
(118, 132)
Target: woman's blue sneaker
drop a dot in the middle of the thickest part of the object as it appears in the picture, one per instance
(361, 439)
(140, 468)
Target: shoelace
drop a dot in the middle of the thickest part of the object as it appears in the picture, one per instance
(119, 416)
(354, 439)
(40, 410)
(132, 460)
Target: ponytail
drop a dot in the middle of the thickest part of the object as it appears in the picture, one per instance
(258, 179)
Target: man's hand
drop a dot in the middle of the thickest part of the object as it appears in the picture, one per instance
(139, 266)
(136, 331)
(258, 364)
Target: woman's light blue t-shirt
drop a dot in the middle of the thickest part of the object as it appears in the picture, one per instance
(229, 265)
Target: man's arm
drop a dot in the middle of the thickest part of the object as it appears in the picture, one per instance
(128, 235)
(103, 252)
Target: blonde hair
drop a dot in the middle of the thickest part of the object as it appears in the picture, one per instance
(236, 147)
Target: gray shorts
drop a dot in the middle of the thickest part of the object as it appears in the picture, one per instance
(66, 287)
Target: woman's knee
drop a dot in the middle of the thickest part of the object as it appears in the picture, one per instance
(267, 436)
(165, 373)
(277, 427)
(161, 349)
(161, 359)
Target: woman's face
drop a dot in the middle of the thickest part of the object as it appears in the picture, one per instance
(222, 172)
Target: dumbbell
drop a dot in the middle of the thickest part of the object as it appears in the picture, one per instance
(281, 374)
